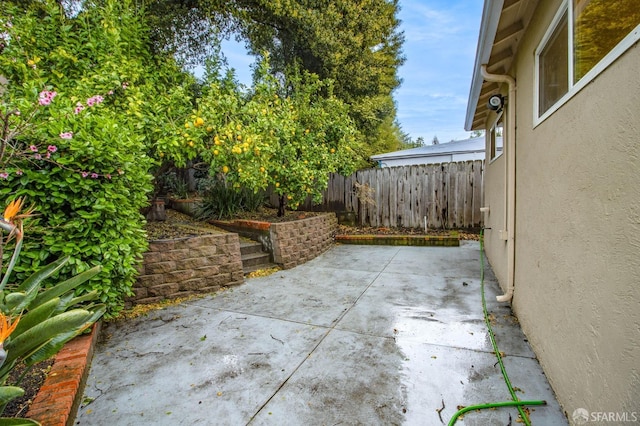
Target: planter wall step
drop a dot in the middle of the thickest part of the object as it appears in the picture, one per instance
(253, 268)
(250, 248)
(255, 259)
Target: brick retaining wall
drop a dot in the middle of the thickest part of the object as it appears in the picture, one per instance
(297, 242)
(185, 266)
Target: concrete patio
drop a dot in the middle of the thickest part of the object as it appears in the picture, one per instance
(371, 335)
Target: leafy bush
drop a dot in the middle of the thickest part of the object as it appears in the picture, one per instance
(81, 109)
(221, 201)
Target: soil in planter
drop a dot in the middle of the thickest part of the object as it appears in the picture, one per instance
(31, 384)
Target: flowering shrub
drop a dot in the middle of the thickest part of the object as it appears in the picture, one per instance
(76, 122)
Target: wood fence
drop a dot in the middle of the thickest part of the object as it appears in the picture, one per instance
(447, 195)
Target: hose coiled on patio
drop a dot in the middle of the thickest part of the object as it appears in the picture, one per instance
(516, 402)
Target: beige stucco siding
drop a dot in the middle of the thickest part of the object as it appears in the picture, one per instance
(577, 275)
(495, 248)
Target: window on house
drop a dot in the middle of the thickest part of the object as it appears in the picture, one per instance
(553, 67)
(584, 38)
(496, 135)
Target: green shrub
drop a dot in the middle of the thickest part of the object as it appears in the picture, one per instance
(82, 107)
(222, 201)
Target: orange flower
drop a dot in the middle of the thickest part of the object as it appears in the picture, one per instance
(12, 209)
(7, 327)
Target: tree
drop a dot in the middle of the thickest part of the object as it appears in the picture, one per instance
(290, 136)
(356, 44)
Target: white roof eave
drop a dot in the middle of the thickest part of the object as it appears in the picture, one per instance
(488, 27)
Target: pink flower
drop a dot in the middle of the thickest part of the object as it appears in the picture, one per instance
(79, 107)
(94, 100)
(110, 92)
(85, 174)
(46, 97)
(19, 172)
(4, 175)
(33, 148)
(16, 112)
(108, 176)
(53, 148)
(64, 135)
(125, 85)
(94, 176)
(37, 156)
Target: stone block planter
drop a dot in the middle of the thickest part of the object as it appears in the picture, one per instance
(185, 266)
(290, 243)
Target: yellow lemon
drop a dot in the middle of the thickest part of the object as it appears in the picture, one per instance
(289, 197)
(277, 184)
(191, 144)
(238, 127)
(216, 152)
(262, 169)
(209, 129)
(187, 125)
(239, 137)
(333, 151)
(199, 122)
(225, 169)
(161, 154)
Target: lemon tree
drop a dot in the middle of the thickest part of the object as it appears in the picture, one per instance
(317, 137)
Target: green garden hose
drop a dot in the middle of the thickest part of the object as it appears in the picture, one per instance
(515, 403)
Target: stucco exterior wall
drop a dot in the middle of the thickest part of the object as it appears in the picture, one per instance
(577, 276)
(495, 199)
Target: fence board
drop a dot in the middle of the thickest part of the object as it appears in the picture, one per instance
(448, 195)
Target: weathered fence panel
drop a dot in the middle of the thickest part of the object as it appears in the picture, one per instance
(448, 195)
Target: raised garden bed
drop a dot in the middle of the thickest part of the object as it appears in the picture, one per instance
(451, 240)
(290, 243)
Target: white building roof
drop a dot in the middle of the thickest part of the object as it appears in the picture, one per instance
(465, 146)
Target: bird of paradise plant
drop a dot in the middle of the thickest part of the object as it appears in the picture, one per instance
(36, 321)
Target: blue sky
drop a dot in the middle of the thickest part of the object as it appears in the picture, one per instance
(441, 37)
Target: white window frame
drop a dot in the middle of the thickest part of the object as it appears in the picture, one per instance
(493, 148)
(574, 87)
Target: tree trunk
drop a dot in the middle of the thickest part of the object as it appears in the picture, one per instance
(282, 201)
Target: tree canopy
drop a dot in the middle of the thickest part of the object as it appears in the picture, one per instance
(356, 44)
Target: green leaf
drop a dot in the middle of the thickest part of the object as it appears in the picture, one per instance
(11, 421)
(29, 341)
(7, 393)
(12, 300)
(65, 286)
(35, 279)
(35, 317)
